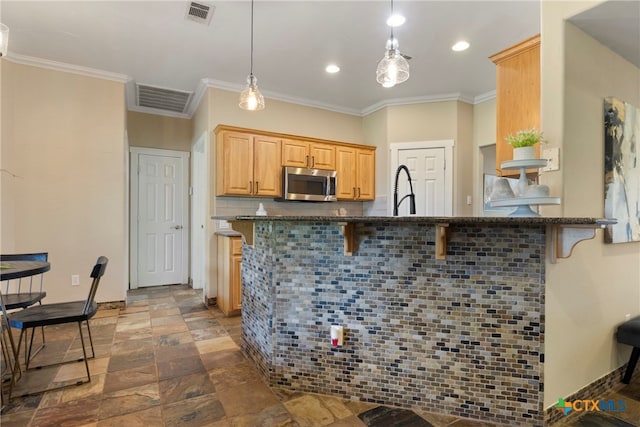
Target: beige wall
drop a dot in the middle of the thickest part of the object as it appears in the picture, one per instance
(155, 131)
(587, 295)
(484, 136)
(374, 126)
(449, 120)
(63, 139)
(463, 161)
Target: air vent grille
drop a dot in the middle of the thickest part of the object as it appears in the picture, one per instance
(200, 12)
(163, 99)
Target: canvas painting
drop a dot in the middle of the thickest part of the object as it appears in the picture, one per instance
(621, 170)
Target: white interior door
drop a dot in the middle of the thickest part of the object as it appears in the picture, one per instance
(198, 213)
(430, 176)
(426, 166)
(159, 194)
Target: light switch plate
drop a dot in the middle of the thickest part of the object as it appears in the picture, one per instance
(553, 159)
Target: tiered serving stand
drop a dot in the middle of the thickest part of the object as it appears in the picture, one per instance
(523, 204)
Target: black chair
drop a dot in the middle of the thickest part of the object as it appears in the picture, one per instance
(629, 333)
(15, 297)
(56, 314)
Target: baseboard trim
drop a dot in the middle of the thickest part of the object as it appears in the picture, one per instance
(603, 385)
(112, 305)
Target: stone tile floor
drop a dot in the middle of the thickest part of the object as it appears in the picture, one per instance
(168, 360)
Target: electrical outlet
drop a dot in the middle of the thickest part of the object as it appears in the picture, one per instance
(627, 317)
(75, 280)
(553, 159)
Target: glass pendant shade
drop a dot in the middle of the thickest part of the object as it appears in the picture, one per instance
(393, 69)
(4, 39)
(251, 99)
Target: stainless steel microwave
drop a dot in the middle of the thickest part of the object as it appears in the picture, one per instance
(312, 185)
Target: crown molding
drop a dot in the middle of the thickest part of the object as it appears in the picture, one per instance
(206, 83)
(483, 97)
(218, 84)
(416, 100)
(67, 68)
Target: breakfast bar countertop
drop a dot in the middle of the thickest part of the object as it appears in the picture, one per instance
(431, 219)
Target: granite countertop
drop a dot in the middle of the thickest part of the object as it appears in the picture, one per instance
(429, 219)
(228, 233)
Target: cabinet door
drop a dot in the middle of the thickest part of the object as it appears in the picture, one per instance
(323, 156)
(366, 179)
(267, 172)
(517, 96)
(295, 153)
(346, 168)
(235, 164)
(236, 284)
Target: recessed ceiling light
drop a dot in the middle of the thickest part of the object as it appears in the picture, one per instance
(396, 20)
(332, 69)
(460, 46)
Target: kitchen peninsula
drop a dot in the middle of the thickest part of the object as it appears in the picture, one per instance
(445, 314)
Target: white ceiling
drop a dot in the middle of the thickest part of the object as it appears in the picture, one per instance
(152, 43)
(616, 24)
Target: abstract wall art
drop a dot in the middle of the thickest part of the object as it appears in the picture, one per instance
(621, 170)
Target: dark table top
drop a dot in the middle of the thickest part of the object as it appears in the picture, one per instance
(10, 270)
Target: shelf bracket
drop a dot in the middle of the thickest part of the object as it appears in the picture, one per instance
(561, 238)
(442, 233)
(244, 228)
(347, 229)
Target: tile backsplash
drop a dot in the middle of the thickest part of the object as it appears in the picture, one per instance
(461, 336)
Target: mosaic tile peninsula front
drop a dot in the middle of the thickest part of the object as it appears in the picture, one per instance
(461, 336)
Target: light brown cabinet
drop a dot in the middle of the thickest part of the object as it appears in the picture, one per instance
(517, 95)
(307, 154)
(229, 298)
(356, 173)
(248, 165)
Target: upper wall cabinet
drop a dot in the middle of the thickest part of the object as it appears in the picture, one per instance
(356, 173)
(517, 95)
(307, 154)
(247, 164)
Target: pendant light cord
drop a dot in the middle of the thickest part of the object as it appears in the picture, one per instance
(391, 25)
(251, 68)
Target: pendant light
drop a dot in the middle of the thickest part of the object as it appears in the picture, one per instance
(251, 99)
(393, 68)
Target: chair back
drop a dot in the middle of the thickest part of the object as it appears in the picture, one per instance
(38, 256)
(96, 273)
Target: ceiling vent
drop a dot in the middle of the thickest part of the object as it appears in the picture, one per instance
(200, 12)
(162, 99)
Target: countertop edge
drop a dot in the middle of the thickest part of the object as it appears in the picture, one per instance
(427, 219)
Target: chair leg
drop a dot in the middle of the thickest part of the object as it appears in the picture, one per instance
(633, 360)
(93, 353)
(84, 351)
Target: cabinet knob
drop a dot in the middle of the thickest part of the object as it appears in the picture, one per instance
(250, 187)
(257, 187)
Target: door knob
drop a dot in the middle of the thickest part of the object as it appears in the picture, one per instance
(177, 227)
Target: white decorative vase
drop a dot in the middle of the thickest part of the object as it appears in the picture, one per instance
(524, 153)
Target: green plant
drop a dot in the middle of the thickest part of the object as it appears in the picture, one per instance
(525, 138)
